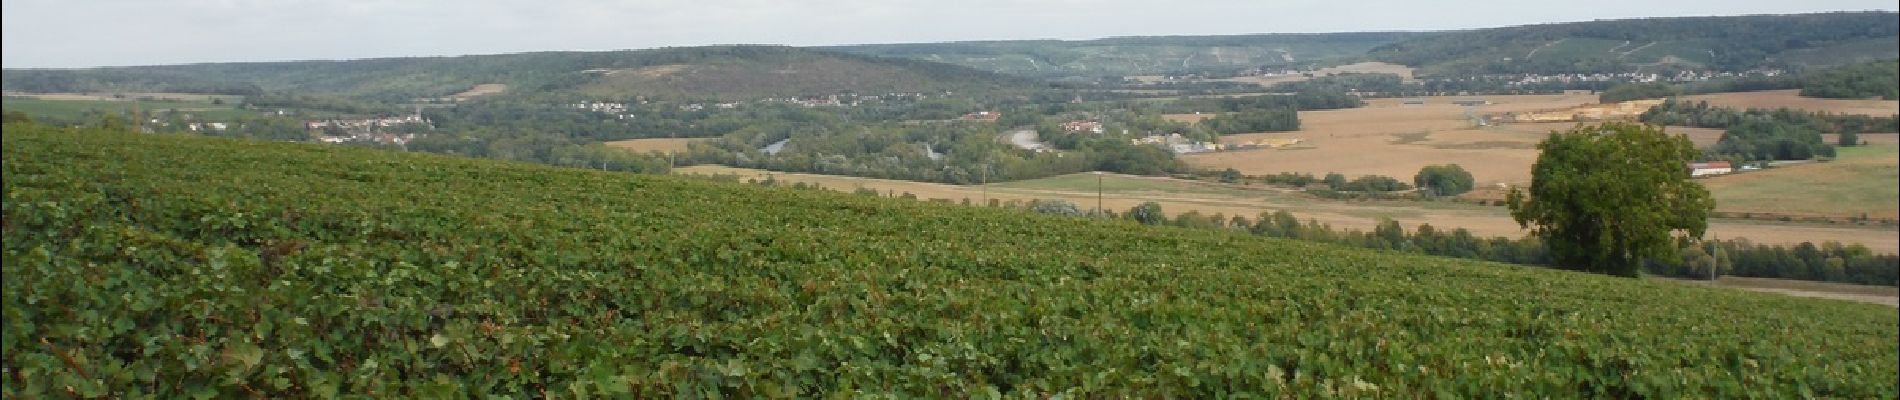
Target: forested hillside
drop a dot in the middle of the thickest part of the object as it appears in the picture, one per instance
(1140, 55)
(1654, 44)
(698, 72)
(180, 266)
(1872, 79)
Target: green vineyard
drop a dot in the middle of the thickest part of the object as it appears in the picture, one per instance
(155, 266)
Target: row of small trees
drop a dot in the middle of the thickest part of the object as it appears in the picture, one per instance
(1432, 180)
(1827, 261)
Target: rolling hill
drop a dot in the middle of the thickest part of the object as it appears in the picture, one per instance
(732, 72)
(1149, 55)
(1721, 43)
(166, 266)
(701, 72)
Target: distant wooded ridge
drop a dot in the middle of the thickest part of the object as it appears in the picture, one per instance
(1789, 42)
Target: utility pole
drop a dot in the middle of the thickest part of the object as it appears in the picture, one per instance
(1714, 254)
(985, 183)
(1098, 194)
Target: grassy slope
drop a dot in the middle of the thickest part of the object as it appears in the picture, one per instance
(1738, 42)
(1139, 55)
(1860, 181)
(75, 108)
(795, 73)
(216, 262)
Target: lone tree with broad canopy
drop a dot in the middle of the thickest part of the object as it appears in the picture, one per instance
(1603, 198)
(1443, 180)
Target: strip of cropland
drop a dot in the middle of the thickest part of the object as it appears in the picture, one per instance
(1122, 192)
(154, 265)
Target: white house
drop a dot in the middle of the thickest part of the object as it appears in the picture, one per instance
(1710, 168)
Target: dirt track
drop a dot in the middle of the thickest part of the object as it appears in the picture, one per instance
(1882, 295)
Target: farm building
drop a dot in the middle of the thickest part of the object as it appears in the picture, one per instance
(1470, 103)
(1710, 168)
(1082, 126)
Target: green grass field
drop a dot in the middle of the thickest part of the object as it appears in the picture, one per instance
(1862, 180)
(168, 266)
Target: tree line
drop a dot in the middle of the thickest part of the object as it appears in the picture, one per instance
(1757, 134)
(1432, 180)
(1702, 115)
(1826, 261)
(1870, 79)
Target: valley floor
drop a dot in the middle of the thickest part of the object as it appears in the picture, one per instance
(1121, 192)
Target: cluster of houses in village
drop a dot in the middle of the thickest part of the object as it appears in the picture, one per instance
(1196, 77)
(703, 106)
(1182, 145)
(366, 130)
(149, 126)
(1178, 144)
(1094, 127)
(365, 124)
(1640, 77)
(846, 100)
(600, 107)
(620, 110)
(204, 126)
(815, 101)
(397, 139)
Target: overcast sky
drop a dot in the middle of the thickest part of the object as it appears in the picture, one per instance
(86, 33)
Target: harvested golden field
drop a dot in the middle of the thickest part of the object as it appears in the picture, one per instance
(1867, 138)
(1392, 138)
(663, 145)
(479, 90)
(1122, 192)
(1771, 99)
(1624, 111)
(1703, 137)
